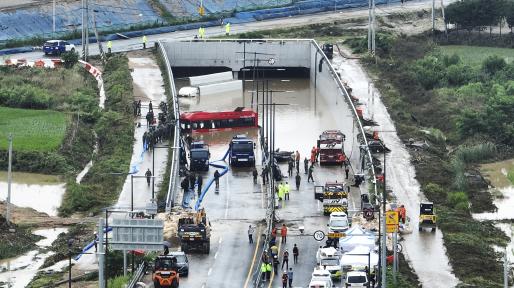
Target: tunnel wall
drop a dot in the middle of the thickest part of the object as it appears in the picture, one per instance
(230, 53)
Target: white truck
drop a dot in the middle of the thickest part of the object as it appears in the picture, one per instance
(329, 259)
(321, 279)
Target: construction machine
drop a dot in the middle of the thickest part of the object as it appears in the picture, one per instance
(165, 272)
(427, 217)
(194, 232)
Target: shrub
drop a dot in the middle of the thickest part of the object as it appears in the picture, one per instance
(455, 198)
(434, 191)
(493, 64)
(454, 59)
(459, 74)
(430, 72)
(476, 153)
(70, 59)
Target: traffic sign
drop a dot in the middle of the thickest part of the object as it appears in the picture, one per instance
(392, 218)
(369, 213)
(319, 235)
(336, 235)
(271, 61)
(137, 234)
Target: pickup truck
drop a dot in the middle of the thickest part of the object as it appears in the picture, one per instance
(57, 47)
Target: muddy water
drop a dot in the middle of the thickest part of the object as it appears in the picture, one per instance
(502, 187)
(20, 271)
(40, 192)
(424, 250)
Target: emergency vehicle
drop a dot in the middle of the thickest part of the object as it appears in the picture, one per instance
(333, 196)
(331, 147)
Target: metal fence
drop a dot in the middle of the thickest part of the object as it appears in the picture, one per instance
(173, 186)
(141, 269)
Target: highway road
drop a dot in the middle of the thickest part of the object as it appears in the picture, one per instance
(329, 17)
(241, 203)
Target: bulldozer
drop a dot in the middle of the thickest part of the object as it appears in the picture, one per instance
(165, 272)
(427, 217)
(194, 232)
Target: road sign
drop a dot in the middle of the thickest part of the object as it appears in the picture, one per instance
(319, 235)
(336, 235)
(391, 221)
(137, 234)
(369, 213)
(201, 10)
(271, 61)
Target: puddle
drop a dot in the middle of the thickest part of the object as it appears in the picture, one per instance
(20, 271)
(40, 192)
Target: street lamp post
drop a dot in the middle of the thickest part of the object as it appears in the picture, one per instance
(70, 244)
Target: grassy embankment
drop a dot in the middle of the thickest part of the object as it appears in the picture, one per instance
(462, 102)
(115, 131)
(13, 244)
(58, 141)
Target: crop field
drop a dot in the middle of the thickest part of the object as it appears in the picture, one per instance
(32, 130)
(474, 55)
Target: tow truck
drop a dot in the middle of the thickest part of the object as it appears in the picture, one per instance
(199, 156)
(194, 232)
(333, 196)
(331, 147)
(241, 151)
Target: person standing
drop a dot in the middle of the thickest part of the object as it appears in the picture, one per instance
(139, 108)
(309, 178)
(148, 175)
(284, 279)
(290, 277)
(255, 174)
(313, 155)
(217, 179)
(298, 180)
(250, 234)
(192, 182)
(185, 185)
(285, 259)
(346, 170)
(263, 271)
(306, 165)
(274, 251)
(275, 264)
(283, 233)
(109, 47)
(227, 29)
(144, 41)
(199, 181)
(263, 175)
(295, 254)
(150, 106)
(290, 167)
(269, 268)
(286, 191)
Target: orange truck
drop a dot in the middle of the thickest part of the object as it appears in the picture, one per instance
(165, 272)
(331, 147)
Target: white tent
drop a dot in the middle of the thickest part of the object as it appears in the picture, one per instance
(358, 258)
(356, 236)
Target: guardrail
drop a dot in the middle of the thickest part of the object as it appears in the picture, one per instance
(173, 186)
(141, 269)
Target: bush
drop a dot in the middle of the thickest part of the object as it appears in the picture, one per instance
(455, 198)
(493, 64)
(434, 191)
(430, 72)
(459, 74)
(454, 59)
(70, 59)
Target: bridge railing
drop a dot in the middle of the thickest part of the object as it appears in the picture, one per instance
(173, 186)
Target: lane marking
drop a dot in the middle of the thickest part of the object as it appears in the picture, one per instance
(253, 260)
(219, 241)
(209, 272)
(227, 197)
(273, 271)
(216, 255)
(203, 285)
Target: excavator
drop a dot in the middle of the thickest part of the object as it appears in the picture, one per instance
(194, 232)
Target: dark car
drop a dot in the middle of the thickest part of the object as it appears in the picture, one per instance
(182, 263)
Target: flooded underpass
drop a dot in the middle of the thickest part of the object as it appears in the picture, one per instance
(240, 202)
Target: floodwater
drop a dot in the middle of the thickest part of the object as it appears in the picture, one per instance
(502, 187)
(424, 250)
(40, 192)
(20, 271)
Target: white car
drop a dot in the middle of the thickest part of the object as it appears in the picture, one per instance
(338, 222)
(357, 279)
(321, 279)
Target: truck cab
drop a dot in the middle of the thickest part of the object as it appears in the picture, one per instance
(199, 156)
(241, 151)
(329, 259)
(331, 147)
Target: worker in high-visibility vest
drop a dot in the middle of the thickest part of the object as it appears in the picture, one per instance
(109, 46)
(144, 41)
(227, 29)
(200, 32)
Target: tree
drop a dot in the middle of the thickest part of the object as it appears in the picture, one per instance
(493, 64)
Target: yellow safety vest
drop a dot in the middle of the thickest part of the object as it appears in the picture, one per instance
(109, 44)
(269, 268)
(227, 28)
(263, 267)
(144, 39)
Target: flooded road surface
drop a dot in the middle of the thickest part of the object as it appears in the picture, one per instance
(240, 202)
(41, 192)
(424, 250)
(20, 271)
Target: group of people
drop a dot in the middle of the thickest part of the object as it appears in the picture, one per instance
(190, 181)
(155, 134)
(136, 108)
(283, 191)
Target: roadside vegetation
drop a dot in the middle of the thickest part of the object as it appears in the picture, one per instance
(13, 244)
(461, 105)
(115, 130)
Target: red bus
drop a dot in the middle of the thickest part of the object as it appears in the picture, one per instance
(201, 121)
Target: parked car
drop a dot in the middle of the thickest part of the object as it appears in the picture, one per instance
(357, 279)
(338, 222)
(182, 263)
(56, 47)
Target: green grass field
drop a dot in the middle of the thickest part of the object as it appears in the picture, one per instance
(474, 55)
(32, 130)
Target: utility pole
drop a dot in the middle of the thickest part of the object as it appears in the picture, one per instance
(101, 254)
(53, 17)
(9, 182)
(384, 238)
(102, 54)
(395, 254)
(374, 47)
(85, 29)
(369, 26)
(433, 16)
(505, 270)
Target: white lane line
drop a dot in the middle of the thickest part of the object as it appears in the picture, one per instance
(209, 272)
(216, 255)
(221, 239)
(203, 285)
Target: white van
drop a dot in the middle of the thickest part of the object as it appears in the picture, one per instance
(319, 284)
(357, 279)
(338, 222)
